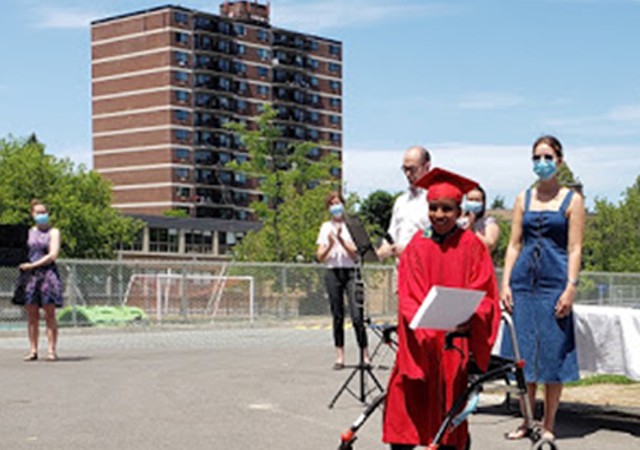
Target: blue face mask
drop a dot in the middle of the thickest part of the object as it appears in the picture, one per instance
(472, 206)
(41, 219)
(544, 169)
(336, 210)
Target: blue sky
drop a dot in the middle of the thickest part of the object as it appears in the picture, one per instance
(475, 82)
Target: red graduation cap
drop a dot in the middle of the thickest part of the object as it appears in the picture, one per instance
(444, 184)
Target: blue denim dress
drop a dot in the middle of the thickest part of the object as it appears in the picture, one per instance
(539, 277)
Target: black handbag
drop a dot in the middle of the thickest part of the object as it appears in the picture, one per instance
(18, 293)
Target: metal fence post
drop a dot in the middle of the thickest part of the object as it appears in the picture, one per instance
(184, 300)
(283, 301)
(73, 289)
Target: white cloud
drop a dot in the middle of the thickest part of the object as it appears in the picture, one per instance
(505, 170)
(490, 100)
(625, 113)
(333, 14)
(65, 18)
(77, 154)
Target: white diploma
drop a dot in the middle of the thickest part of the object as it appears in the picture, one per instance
(445, 308)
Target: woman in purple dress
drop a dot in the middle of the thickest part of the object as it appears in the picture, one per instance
(41, 280)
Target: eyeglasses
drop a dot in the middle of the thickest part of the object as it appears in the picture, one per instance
(443, 208)
(539, 157)
(409, 169)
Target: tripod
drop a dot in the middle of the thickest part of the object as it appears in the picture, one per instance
(363, 371)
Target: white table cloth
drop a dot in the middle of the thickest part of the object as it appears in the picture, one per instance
(607, 338)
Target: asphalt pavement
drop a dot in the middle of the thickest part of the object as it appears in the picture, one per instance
(210, 387)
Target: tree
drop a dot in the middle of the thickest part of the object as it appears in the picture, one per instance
(375, 212)
(79, 200)
(498, 203)
(293, 186)
(612, 234)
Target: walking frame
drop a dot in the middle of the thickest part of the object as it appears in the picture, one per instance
(499, 369)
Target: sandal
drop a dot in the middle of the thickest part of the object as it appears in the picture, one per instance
(338, 366)
(519, 433)
(30, 357)
(548, 436)
(52, 357)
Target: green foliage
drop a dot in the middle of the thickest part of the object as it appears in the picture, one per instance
(375, 212)
(175, 213)
(612, 234)
(602, 379)
(294, 190)
(499, 251)
(79, 201)
(498, 203)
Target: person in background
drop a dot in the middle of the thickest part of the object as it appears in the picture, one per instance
(474, 218)
(427, 379)
(41, 281)
(338, 251)
(540, 280)
(410, 210)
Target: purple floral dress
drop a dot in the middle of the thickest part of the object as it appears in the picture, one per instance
(42, 286)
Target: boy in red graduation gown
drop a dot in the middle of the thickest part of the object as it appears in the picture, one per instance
(426, 379)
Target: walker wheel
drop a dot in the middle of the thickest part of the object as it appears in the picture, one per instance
(544, 444)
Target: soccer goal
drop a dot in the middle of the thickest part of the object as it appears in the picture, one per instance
(171, 295)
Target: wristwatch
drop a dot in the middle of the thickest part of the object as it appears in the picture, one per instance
(575, 282)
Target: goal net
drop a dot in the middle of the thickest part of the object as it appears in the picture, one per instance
(167, 295)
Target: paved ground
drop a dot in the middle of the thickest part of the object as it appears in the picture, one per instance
(211, 388)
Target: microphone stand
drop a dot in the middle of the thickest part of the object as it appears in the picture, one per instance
(362, 370)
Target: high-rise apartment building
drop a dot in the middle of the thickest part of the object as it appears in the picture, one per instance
(165, 81)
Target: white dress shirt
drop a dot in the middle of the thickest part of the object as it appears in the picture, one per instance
(410, 214)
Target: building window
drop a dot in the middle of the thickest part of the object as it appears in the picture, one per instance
(183, 193)
(224, 84)
(241, 49)
(181, 115)
(242, 215)
(334, 50)
(240, 178)
(239, 67)
(241, 87)
(335, 171)
(334, 137)
(262, 90)
(263, 35)
(313, 116)
(181, 77)
(224, 28)
(313, 135)
(263, 71)
(136, 245)
(313, 44)
(180, 18)
(183, 135)
(198, 241)
(182, 154)
(239, 29)
(241, 105)
(313, 63)
(314, 99)
(263, 54)
(334, 119)
(314, 152)
(181, 38)
(333, 67)
(163, 240)
(334, 85)
(334, 102)
(182, 173)
(181, 58)
(224, 46)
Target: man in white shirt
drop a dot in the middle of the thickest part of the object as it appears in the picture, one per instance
(410, 210)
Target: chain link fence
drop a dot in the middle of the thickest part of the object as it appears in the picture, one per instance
(151, 291)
